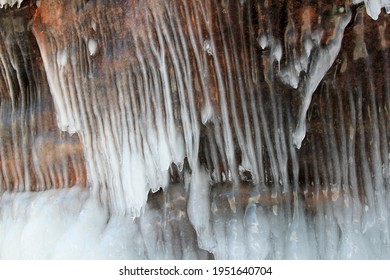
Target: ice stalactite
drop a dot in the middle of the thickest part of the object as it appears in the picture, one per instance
(322, 59)
(144, 116)
(10, 3)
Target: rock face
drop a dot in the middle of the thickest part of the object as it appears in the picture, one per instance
(263, 126)
(34, 154)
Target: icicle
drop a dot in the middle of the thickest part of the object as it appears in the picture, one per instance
(199, 208)
(263, 41)
(10, 3)
(92, 46)
(322, 61)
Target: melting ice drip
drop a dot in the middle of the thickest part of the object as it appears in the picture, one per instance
(177, 97)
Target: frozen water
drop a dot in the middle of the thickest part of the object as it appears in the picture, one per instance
(189, 127)
(323, 60)
(92, 46)
(10, 3)
(374, 7)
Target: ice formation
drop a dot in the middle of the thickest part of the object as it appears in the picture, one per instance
(374, 7)
(322, 60)
(194, 129)
(10, 3)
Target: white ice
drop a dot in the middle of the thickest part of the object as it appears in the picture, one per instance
(10, 3)
(374, 7)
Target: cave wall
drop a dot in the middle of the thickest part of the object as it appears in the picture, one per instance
(279, 105)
